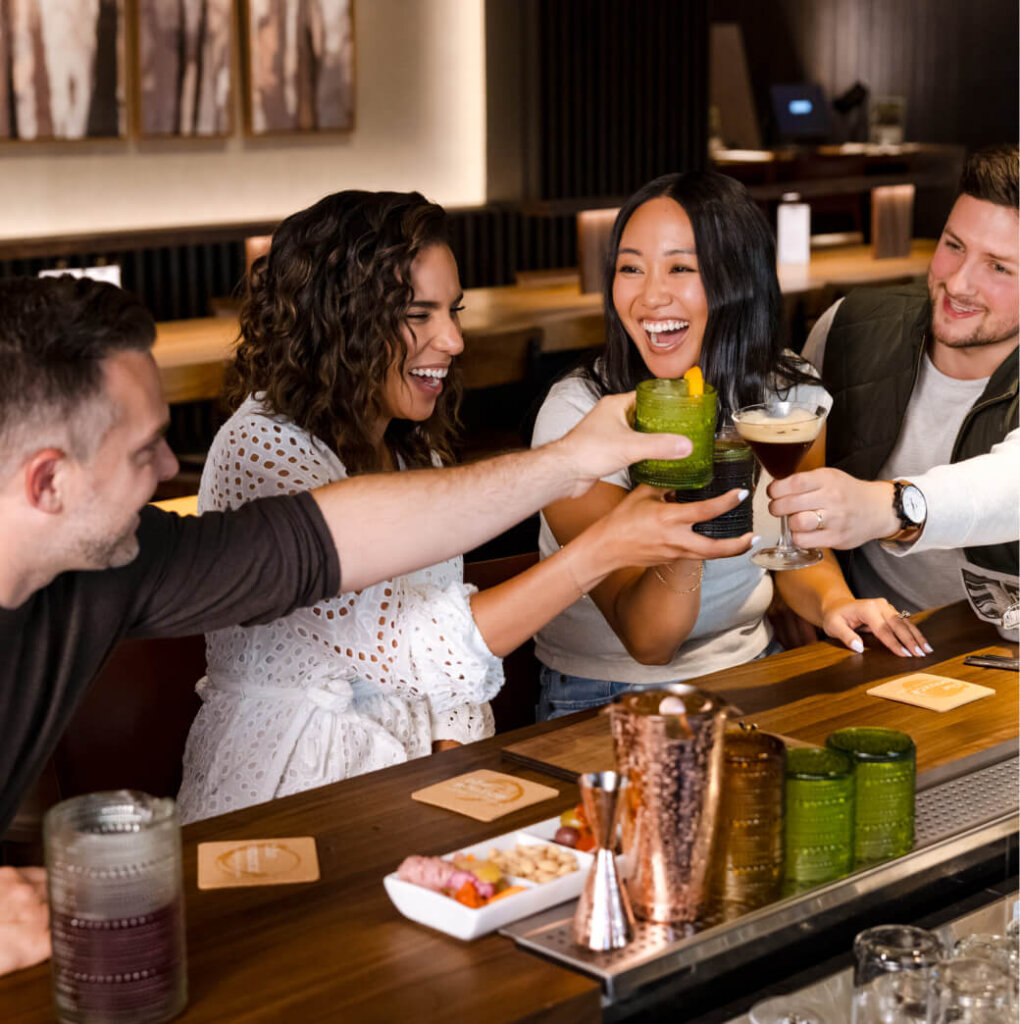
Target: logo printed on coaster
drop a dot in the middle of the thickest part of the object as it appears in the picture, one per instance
(484, 794)
(935, 693)
(247, 862)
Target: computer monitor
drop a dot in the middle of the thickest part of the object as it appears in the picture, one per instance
(801, 112)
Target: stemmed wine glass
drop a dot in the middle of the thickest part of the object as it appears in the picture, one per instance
(780, 433)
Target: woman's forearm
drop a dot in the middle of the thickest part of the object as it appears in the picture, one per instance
(655, 613)
(813, 592)
(513, 611)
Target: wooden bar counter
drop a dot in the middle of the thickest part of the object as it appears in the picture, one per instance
(337, 950)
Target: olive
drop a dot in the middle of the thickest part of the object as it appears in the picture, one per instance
(567, 836)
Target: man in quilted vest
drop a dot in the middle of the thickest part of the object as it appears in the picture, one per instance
(922, 486)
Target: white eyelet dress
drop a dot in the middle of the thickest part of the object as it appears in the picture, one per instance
(355, 683)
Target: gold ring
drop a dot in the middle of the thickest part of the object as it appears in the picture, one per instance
(821, 518)
(903, 615)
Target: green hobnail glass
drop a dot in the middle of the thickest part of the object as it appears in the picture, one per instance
(884, 783)
(665, 407)
(818, 832)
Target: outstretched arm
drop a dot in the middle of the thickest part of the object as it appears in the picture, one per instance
(388, 524)
(970, 503)
(652, 597)
(641, 529)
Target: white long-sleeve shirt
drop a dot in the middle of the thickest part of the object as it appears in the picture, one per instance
(970, 503)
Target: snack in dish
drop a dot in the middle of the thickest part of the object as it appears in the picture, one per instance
(574, 830)
(441, 910)
(536, 862)
(463, 878)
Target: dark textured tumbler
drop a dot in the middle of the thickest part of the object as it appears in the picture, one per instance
(114, 876)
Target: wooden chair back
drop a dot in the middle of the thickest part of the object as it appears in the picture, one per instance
(254, 247)
(129, 731)
(594, 228)
(514, 705)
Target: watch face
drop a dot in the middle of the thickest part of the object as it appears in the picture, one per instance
(914, 506)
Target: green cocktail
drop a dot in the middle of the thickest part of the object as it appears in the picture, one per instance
(818, 829)
(884, 782)
(668, 407)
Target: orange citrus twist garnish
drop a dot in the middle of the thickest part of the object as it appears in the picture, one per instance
(695, 381)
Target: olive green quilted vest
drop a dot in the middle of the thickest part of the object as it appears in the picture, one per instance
(872, 359)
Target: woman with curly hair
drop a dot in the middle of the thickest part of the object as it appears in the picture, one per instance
(347, 364)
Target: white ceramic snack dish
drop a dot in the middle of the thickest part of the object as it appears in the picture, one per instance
(447, 915)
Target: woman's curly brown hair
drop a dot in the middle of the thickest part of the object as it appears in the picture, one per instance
(321, 324)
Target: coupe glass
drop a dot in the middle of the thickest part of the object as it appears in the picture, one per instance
(780, 433)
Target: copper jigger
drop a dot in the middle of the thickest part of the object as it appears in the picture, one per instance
(603, 919)
(669, 741)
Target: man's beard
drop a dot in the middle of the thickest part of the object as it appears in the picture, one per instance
(976, 340)
(110, 552)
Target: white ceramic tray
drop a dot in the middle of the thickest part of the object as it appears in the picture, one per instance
(447, 915)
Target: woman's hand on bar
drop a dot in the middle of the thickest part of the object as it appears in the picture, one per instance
(24, 918)
(896, 631)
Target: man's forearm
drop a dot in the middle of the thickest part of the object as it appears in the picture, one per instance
(388, 524)
(392, 523)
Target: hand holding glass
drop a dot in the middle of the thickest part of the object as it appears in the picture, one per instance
(780, 434)
(667, 407)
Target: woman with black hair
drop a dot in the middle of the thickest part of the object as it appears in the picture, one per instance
(690, 280)
(348, 364)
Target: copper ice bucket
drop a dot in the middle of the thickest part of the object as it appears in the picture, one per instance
(669, 742)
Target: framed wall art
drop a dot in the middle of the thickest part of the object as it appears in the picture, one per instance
(61, 69)
(300, 65)
(185, 60)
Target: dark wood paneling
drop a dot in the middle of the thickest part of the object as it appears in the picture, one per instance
(956, 64)
(621, 97)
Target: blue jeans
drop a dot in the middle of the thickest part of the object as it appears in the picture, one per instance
(560, 694)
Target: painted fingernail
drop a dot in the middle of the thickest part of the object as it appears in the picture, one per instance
(742, 494)
(857, 646)
(928, 648)
(919, 652)
(756, 538)
(905, 652)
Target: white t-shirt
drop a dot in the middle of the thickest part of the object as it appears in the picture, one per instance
(970, 503)
(731, 627)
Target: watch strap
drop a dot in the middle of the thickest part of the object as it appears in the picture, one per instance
(909, 531)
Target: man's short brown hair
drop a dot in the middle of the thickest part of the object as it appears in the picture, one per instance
(991, 174)
(55, 333)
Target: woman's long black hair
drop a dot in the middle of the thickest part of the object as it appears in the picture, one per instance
(741, 352)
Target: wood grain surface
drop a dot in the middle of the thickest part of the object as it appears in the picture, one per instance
(809, 691)
(337, 949)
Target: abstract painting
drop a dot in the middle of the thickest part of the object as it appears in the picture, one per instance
(300, 65)
(61, 69)
(185, 53)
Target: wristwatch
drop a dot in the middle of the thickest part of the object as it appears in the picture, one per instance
(911, 510)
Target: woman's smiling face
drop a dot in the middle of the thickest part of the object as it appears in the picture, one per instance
(657, 288)
(431, 335)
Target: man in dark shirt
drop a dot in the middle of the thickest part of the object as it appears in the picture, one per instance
(85, 562)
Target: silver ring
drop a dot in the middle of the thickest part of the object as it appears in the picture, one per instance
(903, 615)
(821, 518)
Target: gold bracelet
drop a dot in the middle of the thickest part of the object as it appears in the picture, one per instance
(690, 590)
